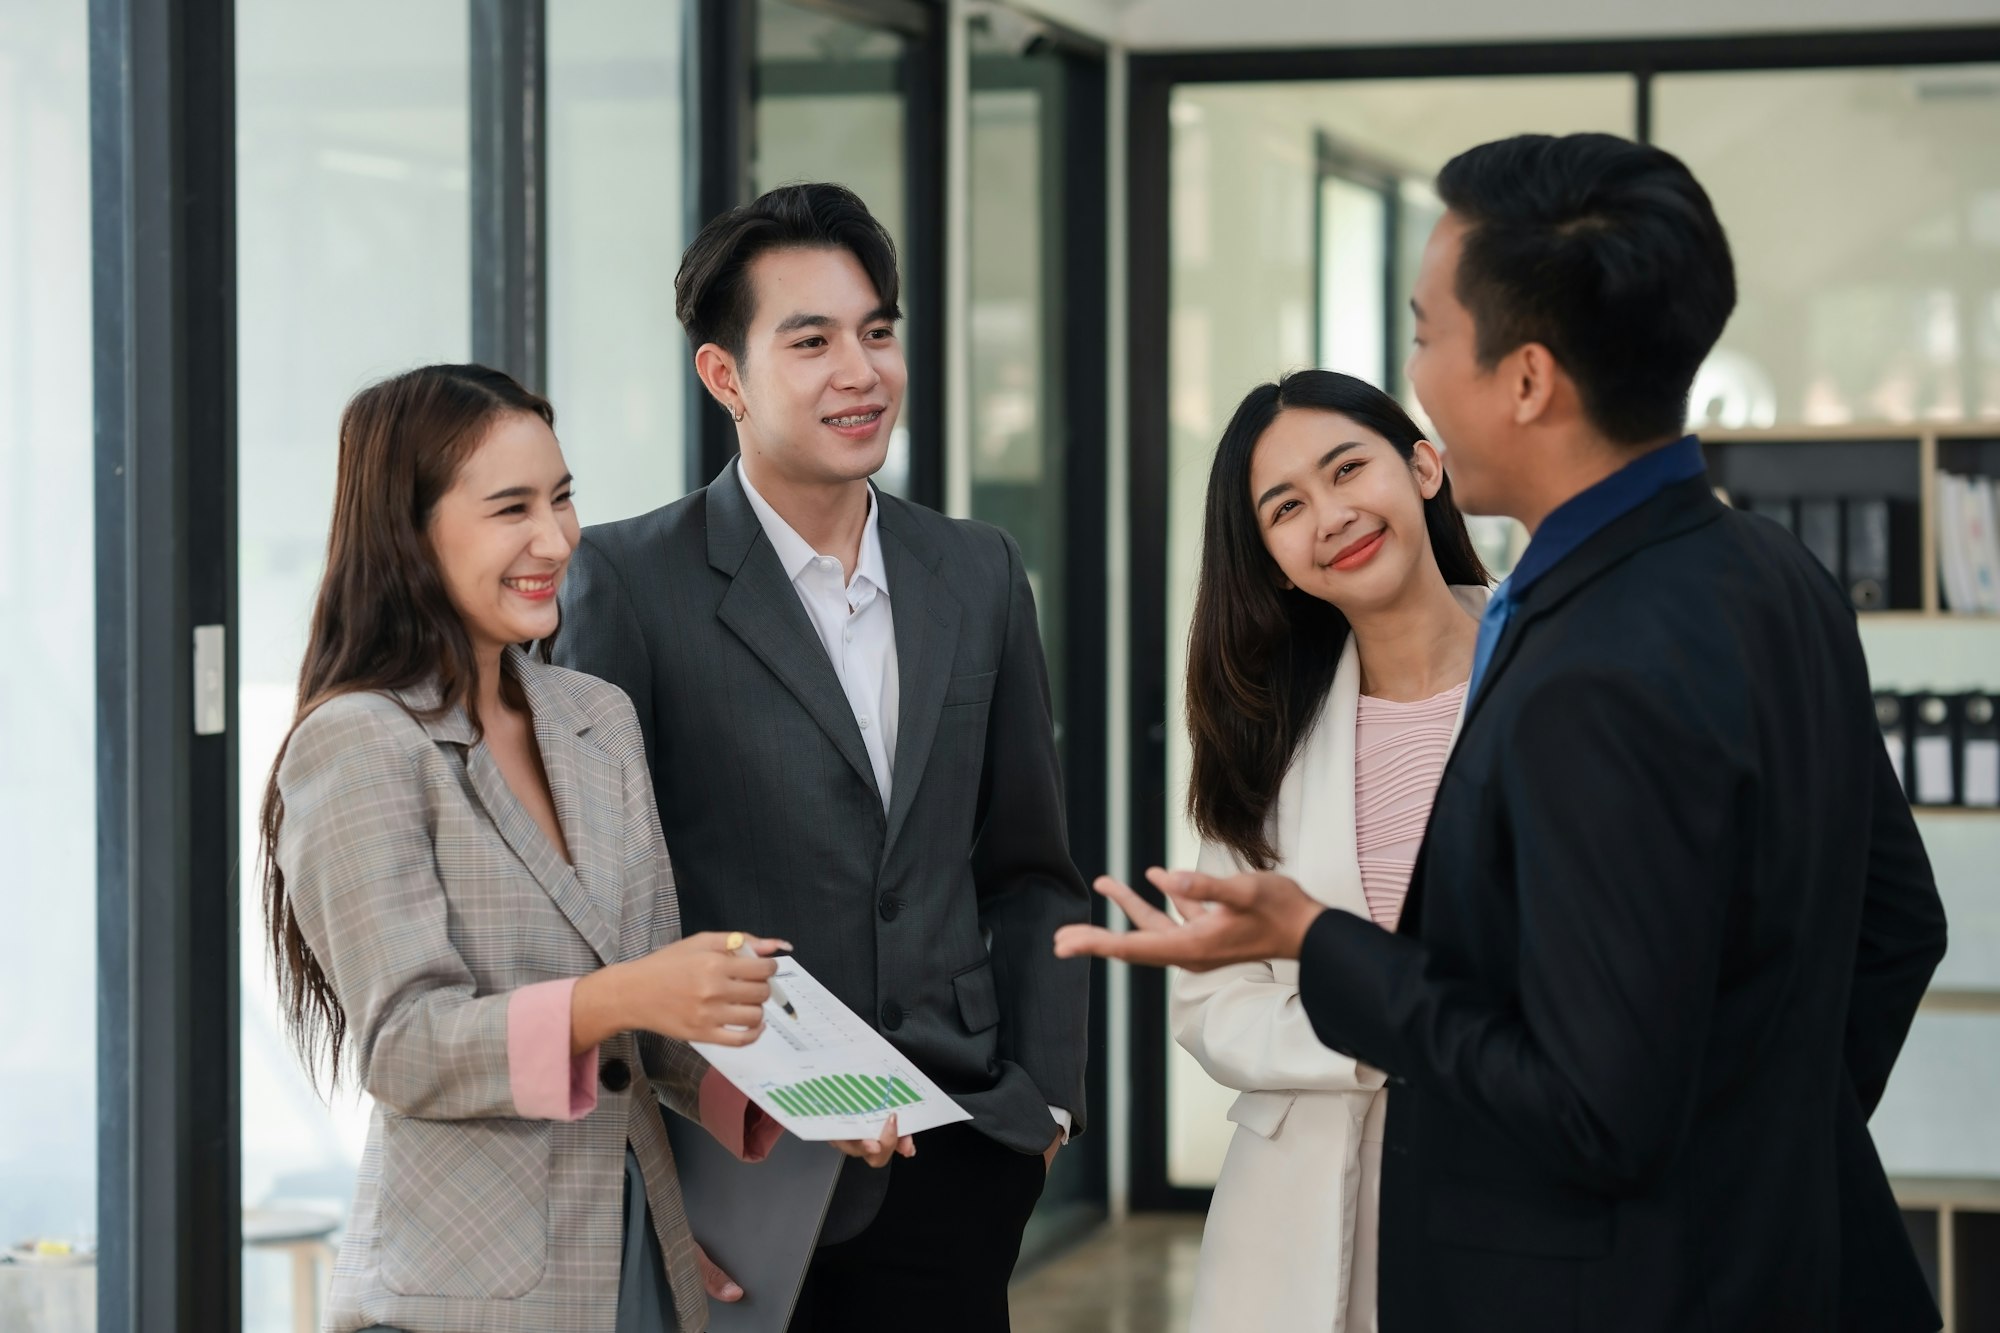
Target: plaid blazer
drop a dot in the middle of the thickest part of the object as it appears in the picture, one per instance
(429, 893)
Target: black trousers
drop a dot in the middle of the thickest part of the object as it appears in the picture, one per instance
(940, 1252)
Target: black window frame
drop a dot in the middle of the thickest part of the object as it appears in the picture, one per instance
(1153, 78)
(163, 249)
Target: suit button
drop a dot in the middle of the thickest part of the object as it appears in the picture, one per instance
(892, 1015)
(615, 1075)
(889, 906)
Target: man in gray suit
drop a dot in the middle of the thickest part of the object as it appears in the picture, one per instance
(846, 713)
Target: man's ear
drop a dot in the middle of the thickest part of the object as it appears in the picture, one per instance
(1532, 374)
(717, 369)
(1428, 464)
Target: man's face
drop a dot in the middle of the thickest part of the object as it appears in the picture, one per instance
(822, 372)
(1468, 404)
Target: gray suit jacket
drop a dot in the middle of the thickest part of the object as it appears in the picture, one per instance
(430, 896)
(934, 920)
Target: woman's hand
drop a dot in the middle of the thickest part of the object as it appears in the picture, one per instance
(695, 989)
(721, 1286)
(878, 1150)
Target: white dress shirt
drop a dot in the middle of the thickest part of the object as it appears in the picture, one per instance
(852, 618)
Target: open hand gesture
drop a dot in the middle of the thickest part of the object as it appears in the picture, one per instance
(1233, 919)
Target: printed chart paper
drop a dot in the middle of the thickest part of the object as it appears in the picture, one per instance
(826, 1074)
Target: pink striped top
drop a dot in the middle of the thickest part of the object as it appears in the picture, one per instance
(1399, 754)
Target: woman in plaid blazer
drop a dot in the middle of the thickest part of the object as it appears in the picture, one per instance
(465, 875)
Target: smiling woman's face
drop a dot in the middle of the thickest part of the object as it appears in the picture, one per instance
(504, 531)
(1341, 512)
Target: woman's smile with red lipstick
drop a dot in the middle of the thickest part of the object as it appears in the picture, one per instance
(1358, 553)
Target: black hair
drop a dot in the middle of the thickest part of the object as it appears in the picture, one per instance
(1261, 656)
(712, 295)
(1605, 251)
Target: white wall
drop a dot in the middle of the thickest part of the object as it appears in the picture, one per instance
(1168, 24)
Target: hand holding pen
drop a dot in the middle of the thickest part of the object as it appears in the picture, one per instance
(709, 987)
(745, 947)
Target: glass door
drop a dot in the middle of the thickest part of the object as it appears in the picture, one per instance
(49, 1057)
(1035, 328)
(857, 101)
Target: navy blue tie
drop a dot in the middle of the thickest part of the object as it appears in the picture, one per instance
(1499, 609)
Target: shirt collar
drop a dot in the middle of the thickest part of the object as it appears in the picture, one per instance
(796, 555)
(1585, 514)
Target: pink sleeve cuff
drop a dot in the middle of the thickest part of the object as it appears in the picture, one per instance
(548, 1083)
(737, 1123)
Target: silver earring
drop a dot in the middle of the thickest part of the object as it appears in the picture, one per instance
(735, 415)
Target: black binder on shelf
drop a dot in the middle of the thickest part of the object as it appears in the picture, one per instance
(1891, 713)
(1978, 749)
(1934, 759)
(1819, 529)
(1866, 569)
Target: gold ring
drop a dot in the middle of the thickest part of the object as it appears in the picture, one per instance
(734, 942)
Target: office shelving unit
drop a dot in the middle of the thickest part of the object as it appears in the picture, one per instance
(1901, 461)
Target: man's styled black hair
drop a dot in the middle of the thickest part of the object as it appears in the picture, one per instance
(1606, 252)
(712, 295)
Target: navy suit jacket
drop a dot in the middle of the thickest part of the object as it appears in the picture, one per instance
(1669, 927)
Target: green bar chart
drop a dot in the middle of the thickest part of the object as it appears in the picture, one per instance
(843, 1094)
(826, 1074)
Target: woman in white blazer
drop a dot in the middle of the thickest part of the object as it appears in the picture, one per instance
(1335, 622)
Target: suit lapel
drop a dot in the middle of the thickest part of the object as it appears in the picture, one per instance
(1680, 507)
(926, 618)
(580, 777)
(762, 609)
(556, 736)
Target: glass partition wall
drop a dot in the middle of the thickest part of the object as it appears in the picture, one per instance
(1297, 212)
(48, 699)
(1864, 209)
(1860, 375)
(833, 103)
(354, 262)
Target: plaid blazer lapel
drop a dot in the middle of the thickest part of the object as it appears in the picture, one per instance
(589, 794)
(556, 876)
(557, 722)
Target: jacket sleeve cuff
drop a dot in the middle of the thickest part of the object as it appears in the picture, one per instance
(547, 1082)
(737, 1123)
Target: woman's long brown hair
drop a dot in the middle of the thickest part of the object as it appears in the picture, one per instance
(383, 619)
(1261, 657)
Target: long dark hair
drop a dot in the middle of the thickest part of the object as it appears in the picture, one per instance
(383, 620)
(1261, 657)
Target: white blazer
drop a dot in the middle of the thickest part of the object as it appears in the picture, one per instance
(1278, 1248)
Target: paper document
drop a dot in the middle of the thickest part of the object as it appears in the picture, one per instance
(827, 1074)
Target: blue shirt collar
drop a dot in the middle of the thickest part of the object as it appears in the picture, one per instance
(1587, 513)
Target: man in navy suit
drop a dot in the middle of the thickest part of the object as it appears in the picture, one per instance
(1672, 918)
